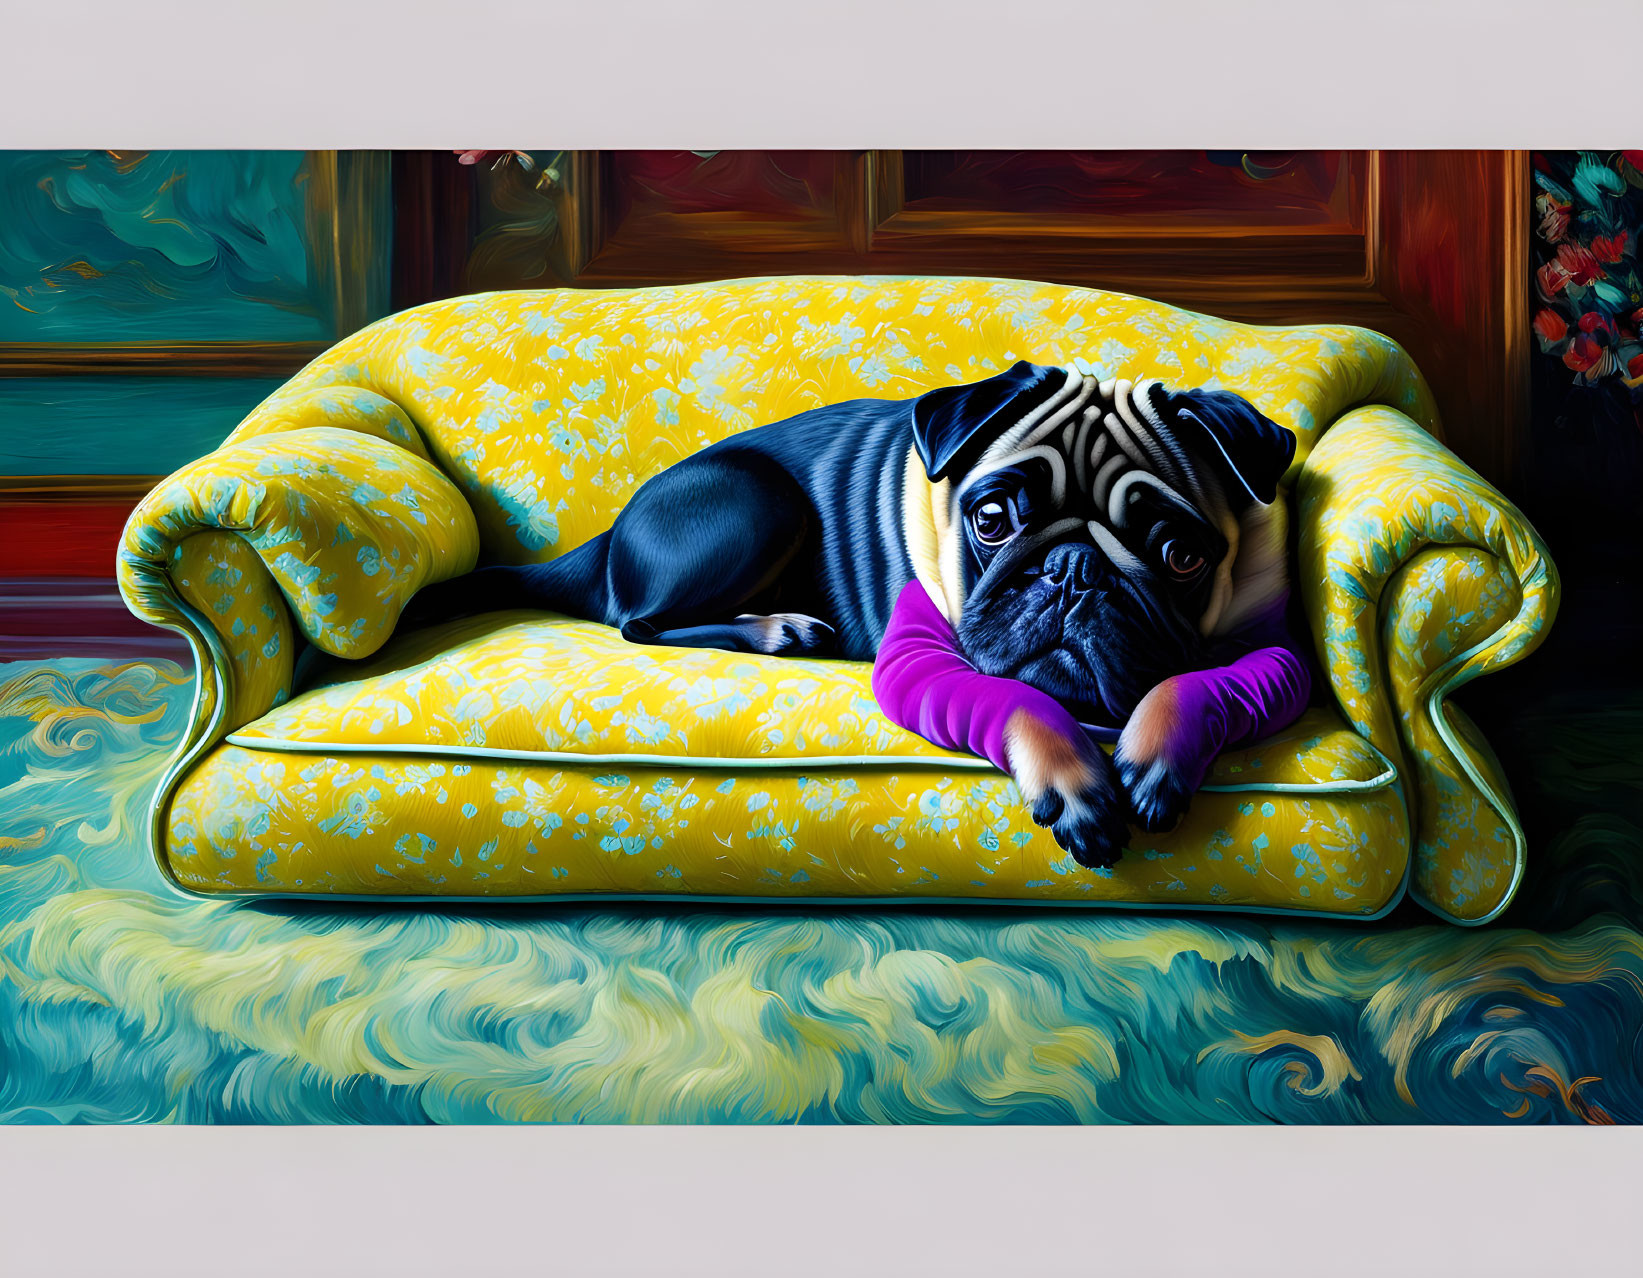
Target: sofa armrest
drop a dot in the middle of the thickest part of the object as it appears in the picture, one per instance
(1417, 577)
(323, 530)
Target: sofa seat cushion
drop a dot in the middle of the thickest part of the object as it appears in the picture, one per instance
(534, 684)
(523, 756)
(536, 687)
(384, 825)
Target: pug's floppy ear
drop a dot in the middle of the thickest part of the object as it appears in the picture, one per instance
(1257, 450)
(949, 420)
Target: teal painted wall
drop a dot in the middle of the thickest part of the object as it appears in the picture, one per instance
(118, 425)
(101, 249)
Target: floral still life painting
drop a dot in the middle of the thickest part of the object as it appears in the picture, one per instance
(515, 636)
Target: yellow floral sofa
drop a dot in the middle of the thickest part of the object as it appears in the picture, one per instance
(530, 756)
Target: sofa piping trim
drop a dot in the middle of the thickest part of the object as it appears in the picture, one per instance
(817, 763)
(1432, 696)
(210, 661)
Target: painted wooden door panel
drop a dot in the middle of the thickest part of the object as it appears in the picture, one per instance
(1427, 246)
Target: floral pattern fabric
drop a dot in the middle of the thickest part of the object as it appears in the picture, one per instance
(1439, 605)
(515, 426)
(477, 686)
(1376, 495)
(381, 824)
(223, 579)
(548, 409)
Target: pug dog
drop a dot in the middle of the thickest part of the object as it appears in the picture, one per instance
(1114, 549)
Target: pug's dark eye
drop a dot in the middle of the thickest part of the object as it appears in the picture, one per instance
(996, 522)
(1183, 561)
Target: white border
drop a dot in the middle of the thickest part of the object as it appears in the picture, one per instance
(767, 1201)
(752, 73)
(1270, 74)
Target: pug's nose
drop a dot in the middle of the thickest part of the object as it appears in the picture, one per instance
(1071, 564)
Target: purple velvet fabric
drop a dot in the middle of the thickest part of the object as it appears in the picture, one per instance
(1233, 705)
(924, 683)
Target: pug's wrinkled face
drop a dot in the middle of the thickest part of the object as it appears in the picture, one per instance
(1091, 610)
(1103, 536)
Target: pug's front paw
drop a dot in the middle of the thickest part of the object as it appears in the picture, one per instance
(1088, 823)
(1158, 795)
(1072, 789)
(1158, 760)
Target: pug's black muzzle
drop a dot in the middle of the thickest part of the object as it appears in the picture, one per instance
(1061, 617)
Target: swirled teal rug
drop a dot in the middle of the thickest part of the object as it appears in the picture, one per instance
(122, 1001)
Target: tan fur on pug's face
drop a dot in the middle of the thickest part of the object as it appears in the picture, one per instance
(1122, 498)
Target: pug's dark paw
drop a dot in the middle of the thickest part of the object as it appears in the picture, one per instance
(1088, 823)
(1160, 759)
(1157, 794)
(1073, 791)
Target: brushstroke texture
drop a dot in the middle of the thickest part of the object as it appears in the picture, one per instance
(118, 425)
(122, 1001)
(99, 246)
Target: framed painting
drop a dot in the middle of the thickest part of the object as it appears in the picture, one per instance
(830, 636)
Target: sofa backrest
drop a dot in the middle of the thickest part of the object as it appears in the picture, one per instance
(549, 408)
